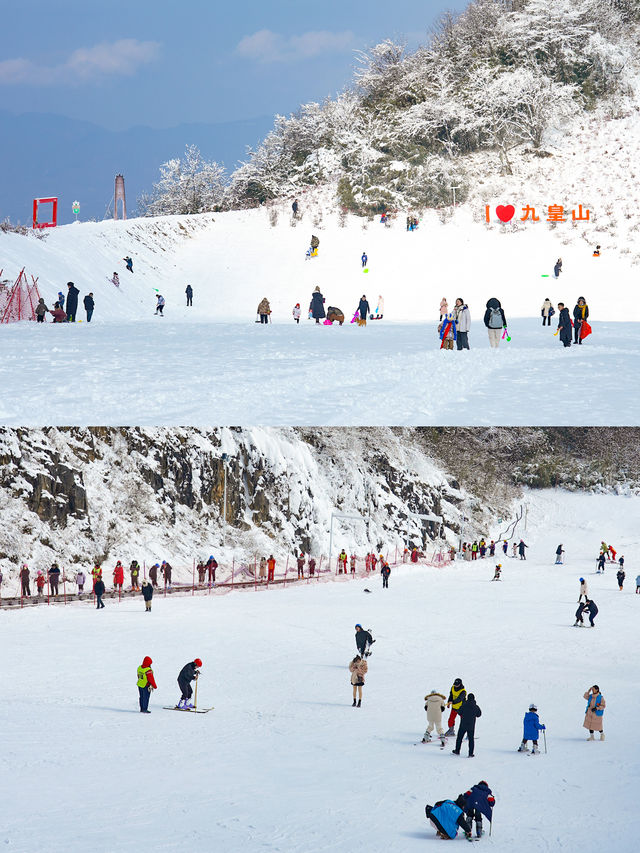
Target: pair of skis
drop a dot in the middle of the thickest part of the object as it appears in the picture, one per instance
(188, 710)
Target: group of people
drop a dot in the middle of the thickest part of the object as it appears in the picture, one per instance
(53, 576)
(579, 325)
(65, 307)
(146, 683)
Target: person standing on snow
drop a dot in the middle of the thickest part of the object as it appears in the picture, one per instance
(89, 305)
(594, 713)
(559, 553)
(271, 568)
(532, 726)
(497, 573)
(601, 561)
(300, 563)
(189, 291)
(147, 594)
(462, 317)
(557, 268)
(146, 683)
(521, 549)
(166, 570)
(584, 590)
(342, 562)
(134, 571)
(564, 324)
(153, 575)
(547, 312)
(434, 706)
(188, 673)
(80, 580)
(72, 302)
(363, 309)
(580, 316)
(620, 576)
(118, 576)
(296, 312)
(41, 310)
(457, 696)
(637, 584)
(469, 713)
(264, 310)
(495, 321)
(592, 607)
(160, 303)
(316, 306)
(358, 669)
(24, 580)
(385, 571)
(54, 578)
(211, 566)
(363, 640)
(364, 259)
(99, 590)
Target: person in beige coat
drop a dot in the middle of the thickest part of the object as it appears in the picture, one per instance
(594, 712)
(434, 706)
(358, 669)
(584, 590)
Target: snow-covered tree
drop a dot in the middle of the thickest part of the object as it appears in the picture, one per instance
(187, 185)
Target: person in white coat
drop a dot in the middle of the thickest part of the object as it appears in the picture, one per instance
(434, 706)
(584, 590)
(80, 580)
(462, 317)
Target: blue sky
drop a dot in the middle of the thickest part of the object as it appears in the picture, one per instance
(161, 63)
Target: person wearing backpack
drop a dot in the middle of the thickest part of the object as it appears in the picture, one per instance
(495, 321)
(547, 312)
(594, 713)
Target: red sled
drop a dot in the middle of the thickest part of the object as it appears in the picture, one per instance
(585, 330)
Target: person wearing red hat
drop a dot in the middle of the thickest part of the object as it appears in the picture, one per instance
(188, 673)
(146, 683)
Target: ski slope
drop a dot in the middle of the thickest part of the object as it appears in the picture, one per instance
(284, 762)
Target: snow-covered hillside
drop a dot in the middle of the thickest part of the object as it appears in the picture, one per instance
(284, 761)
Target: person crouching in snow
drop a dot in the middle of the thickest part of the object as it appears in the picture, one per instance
(146, 683)
(446, 818)
(532, 726)
(358, 669)
(188, 673)
(296, 312)
(595, 710)
(434, 706)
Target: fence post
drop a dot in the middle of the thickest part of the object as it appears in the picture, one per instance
(193, 578)
(233, 569)
(64, 588)
(255, 573)
(286, 569)
(48, 590)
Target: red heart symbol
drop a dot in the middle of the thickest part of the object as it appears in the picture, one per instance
(505, 212)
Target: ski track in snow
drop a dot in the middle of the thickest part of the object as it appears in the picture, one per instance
(202, 374)
(284, 762)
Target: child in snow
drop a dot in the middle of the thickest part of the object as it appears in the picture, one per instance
(188, 673)
(596, 252)
(477, 802)
(444, 308)
(557, 268)
(620, 576)
(496, 576)
(532, 726)
(434, 706)
(296, 312)
(600, 566)
(358, 669)
(579, 623)
(447, 331)
(559, 553)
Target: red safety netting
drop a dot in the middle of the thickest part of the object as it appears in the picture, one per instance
(19, 302)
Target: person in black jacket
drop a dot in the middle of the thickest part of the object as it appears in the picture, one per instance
(363, 308)
(89, 305)
(99, 590)
(317, 305)
(54, 578)
(557, 267)
(188, 673)
(580, 315)
(564, 324)
(72, 302)
(495, 321)
(592, 607)
(147, 594)
(189, 291)
(363, 640)
(385, 571)
(579, 620)
(469, 713)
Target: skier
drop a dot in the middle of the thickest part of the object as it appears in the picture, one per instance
(264, 310)
(160, 303)
(342, 562)
(457, 696)
(592, 607)
(379, 308)
(498, 571)
(271, 567)
(24, 580)
(41, 310)
(115, 279)
(595, 710)
(153, 575)
(54, 578)
(557, 268)
(564, 325)
(505, 546)
(364, 259)
(532, 726)
(521, 547)
(358, 669)
(495, 321)
(364, 641)
(89, 305)
(477, 802)
(579, 613)
(620, 576)
(72, 302)
(166, 570)
(363, 309)
(434, 706)
(316, 306)
(492, 549)
(146, 683)
(300, 562)
(580, 316)
(211, 566)
(118, 576)
(584, 590)
(296, 312)
(559, 553)
(147, 594)
(469, 713)
(99, 590)
(385, 571)
(612, 553)
(80, 580)
(129, 263)
(447, 817)
(189, 291)
(601, 561)
(462, 318)
(547, 312)
(188, 673)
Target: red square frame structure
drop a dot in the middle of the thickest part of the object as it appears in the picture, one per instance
(54, 212)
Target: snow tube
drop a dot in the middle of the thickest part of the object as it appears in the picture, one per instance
(585, 330)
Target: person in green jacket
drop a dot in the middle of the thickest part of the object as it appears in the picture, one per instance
(146, 683)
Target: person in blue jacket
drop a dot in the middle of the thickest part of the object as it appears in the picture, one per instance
(364, 259)
(475, 803)
(447, 818)
(564, 324)
(532, 726)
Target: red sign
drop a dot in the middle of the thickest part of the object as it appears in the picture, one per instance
(54, 212)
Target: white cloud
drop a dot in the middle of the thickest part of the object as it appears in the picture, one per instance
(121, 58)
(267, 46)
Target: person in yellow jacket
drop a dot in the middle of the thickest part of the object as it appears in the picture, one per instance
(457, 696)
(146, 683)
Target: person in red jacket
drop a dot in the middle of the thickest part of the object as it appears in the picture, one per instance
(146, 683)
(271, 567)
(301, 565)
(118, 576)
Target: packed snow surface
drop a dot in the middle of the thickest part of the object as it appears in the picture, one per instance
(284, 762)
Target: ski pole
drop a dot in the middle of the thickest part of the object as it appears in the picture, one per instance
(195, 699)
(544, 735)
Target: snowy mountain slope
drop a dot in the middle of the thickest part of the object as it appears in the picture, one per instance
(284, 761)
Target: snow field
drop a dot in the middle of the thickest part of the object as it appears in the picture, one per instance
(284, 762)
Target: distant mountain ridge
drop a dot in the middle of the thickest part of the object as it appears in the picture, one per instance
(51, 155)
